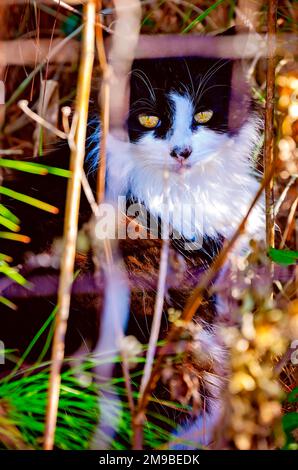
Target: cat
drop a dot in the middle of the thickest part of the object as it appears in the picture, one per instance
(179, 122)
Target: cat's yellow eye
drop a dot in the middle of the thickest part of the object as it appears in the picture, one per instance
(150, 122)
(203, 116)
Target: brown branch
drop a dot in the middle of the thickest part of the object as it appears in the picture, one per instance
(190, 309)
(71, 220)
(269, 122)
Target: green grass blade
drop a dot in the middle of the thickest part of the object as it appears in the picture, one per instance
(13, 274)
(8, 214)
(4, 257)
(17, 237)
(29, 200)
(35, 168)
(47, 344)
(9, 224)
(22, 166)
(7, 303)
(32, 344)
(201, 17)
(52, 170)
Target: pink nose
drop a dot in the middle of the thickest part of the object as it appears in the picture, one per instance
(181, 152)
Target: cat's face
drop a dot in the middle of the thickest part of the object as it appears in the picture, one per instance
(179, 121)
(179, 110)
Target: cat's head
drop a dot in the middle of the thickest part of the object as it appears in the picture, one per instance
(179, 110)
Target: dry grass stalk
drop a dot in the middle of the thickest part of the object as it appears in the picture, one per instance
(104, 100)
(269, 122)
(71, 220)
(23, 104)
(48, 109)
(138, 421)
(158, 309)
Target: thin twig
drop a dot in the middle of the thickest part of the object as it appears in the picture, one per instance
(158, 309)
(155, 329)
(104, 100)
(23, 104)
(289, 223)
(89, 194)
(66, 112)
(269, 121)
(284, 195)
(71, 220)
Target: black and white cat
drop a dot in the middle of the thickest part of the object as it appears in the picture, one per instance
(182, 158)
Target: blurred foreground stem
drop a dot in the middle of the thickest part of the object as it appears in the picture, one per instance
(71, 221)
